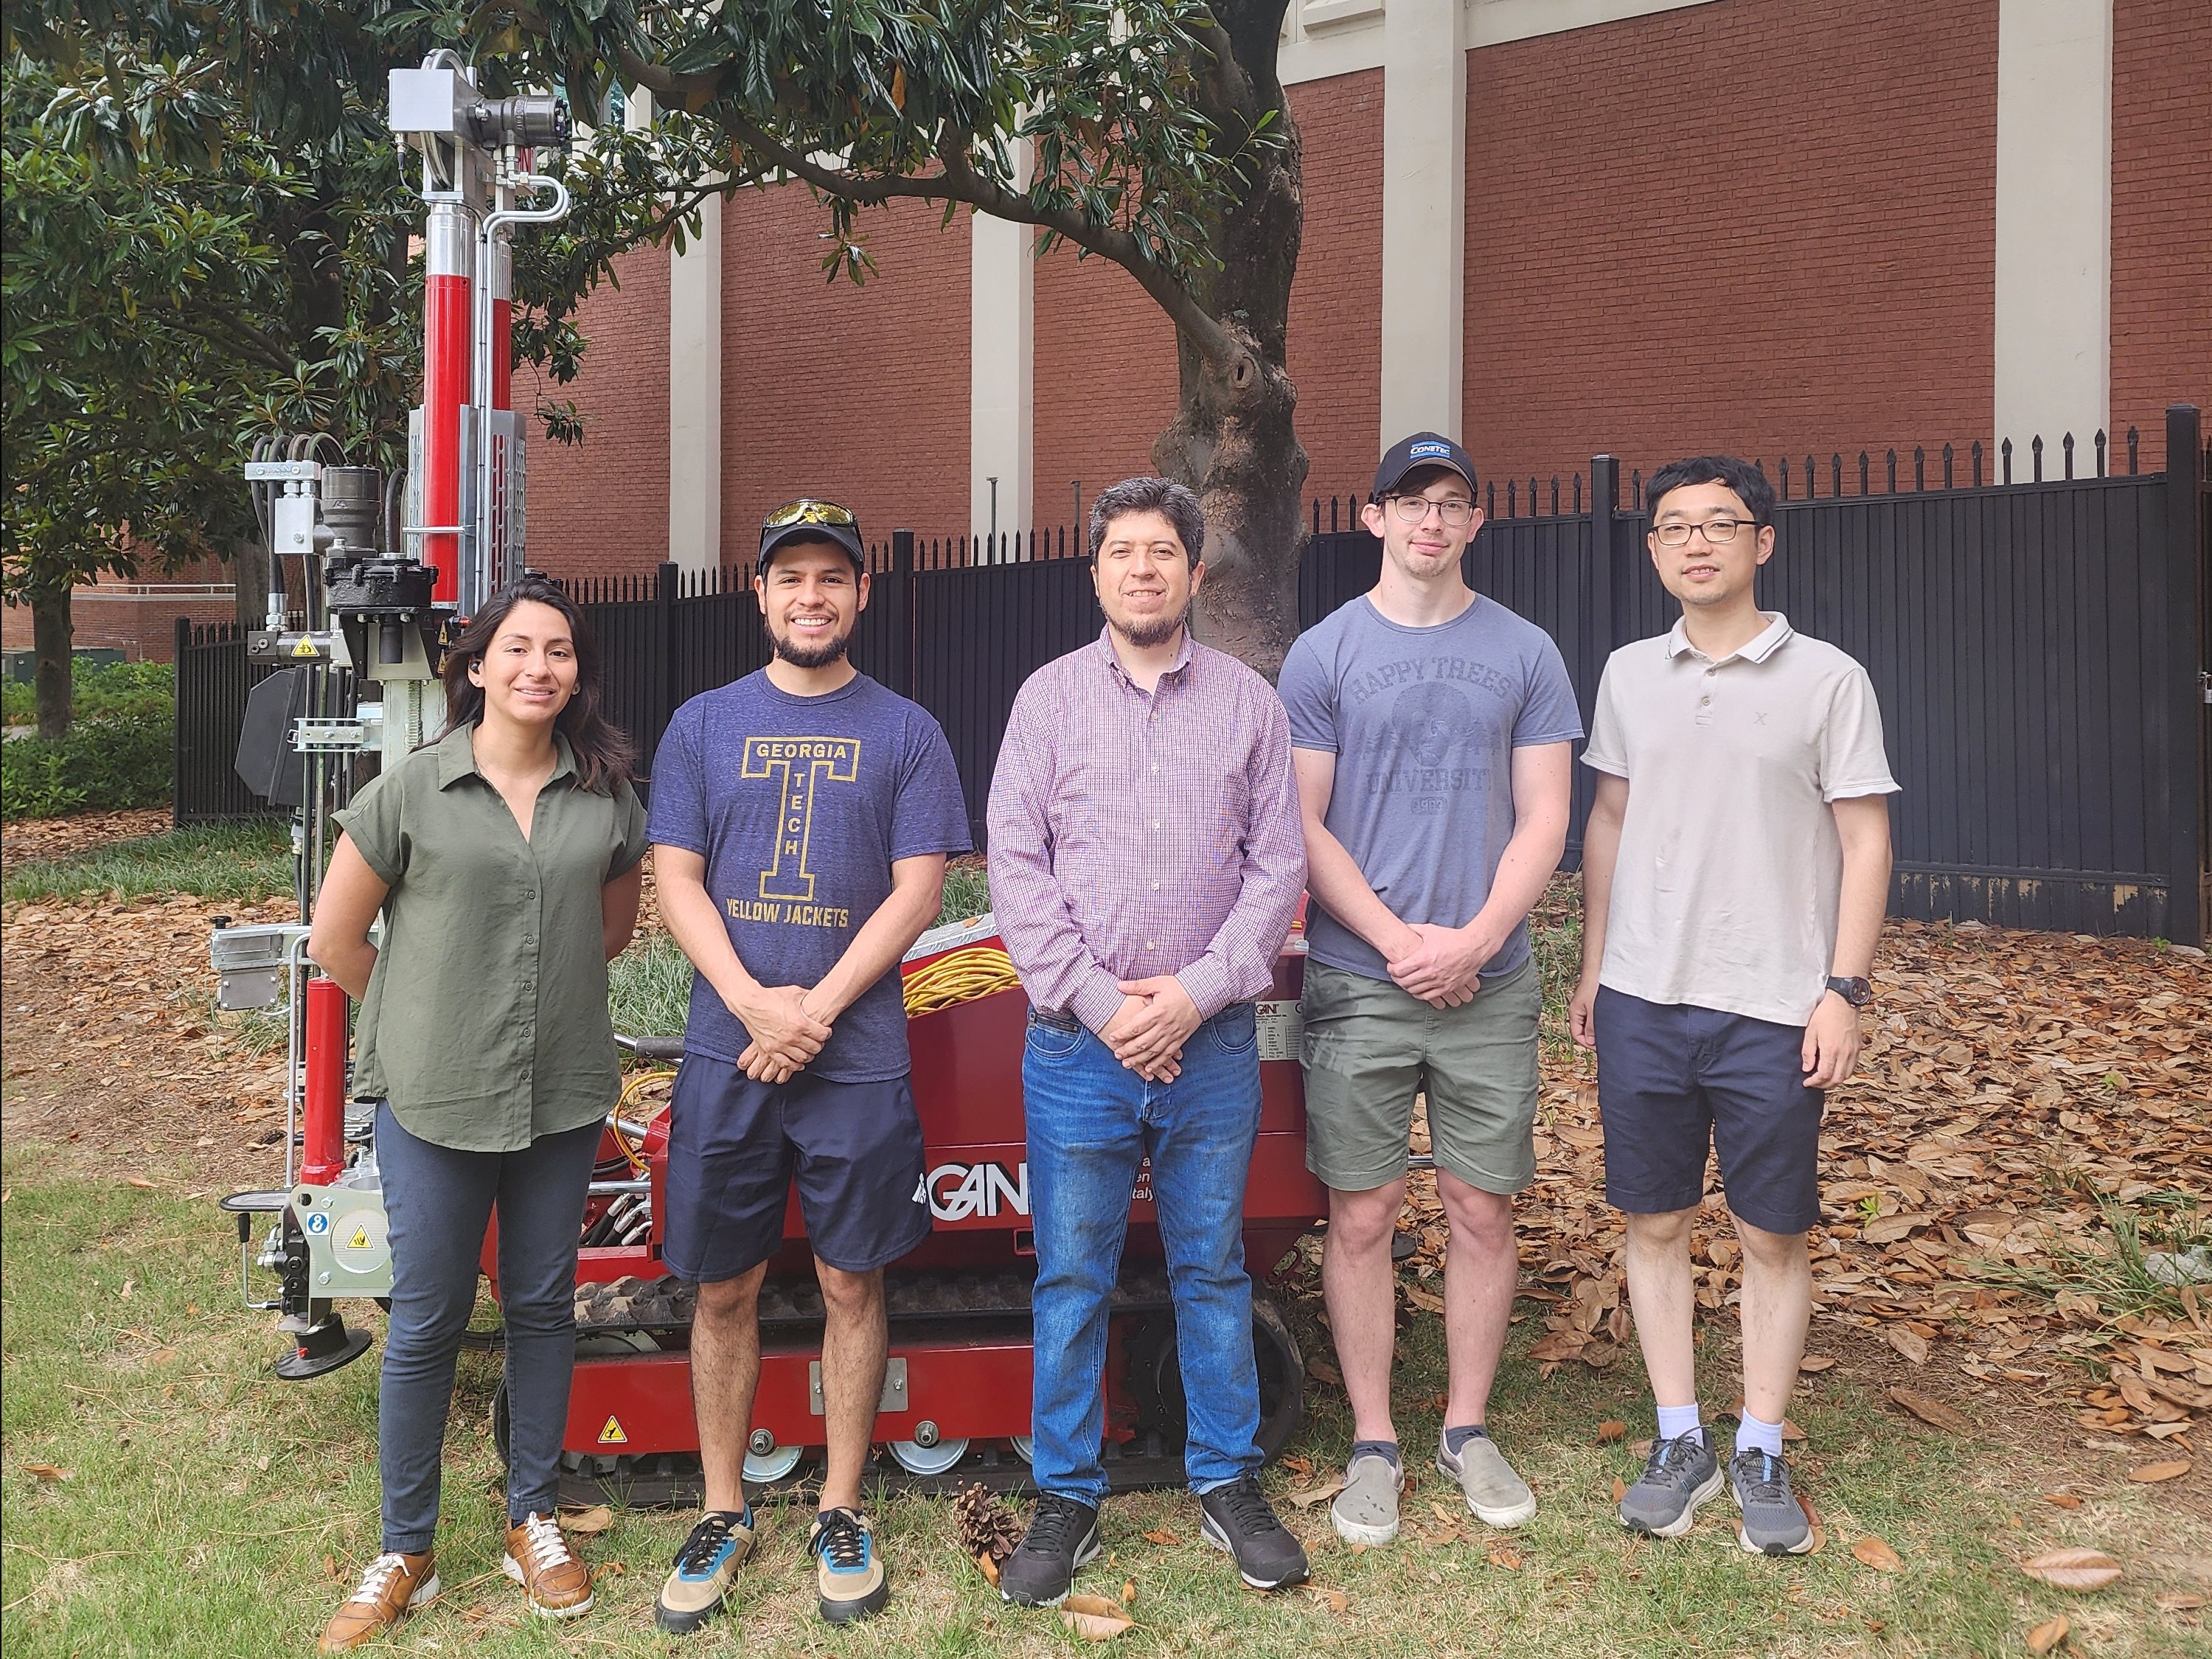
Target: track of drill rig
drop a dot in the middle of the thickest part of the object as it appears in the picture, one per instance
(1153, 1458)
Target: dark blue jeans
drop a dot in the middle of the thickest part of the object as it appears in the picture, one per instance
(1091, 1123)
(440, 1201)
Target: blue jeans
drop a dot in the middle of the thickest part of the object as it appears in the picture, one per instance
(440, 1201)
(1091, 1123)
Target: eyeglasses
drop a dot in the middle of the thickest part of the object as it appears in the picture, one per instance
(807, 510)
(1413, 509)
(1718, 531)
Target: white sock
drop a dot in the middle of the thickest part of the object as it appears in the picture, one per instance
(1675, 1421)
(1751, 1435)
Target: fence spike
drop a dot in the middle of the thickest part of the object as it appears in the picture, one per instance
(2101, 451)
(1532, 494)
(1947, 466)
(1578, 495)
(1511, 484)
(1836, 471)
(1863, 473)
(2067, 443)
(1555, 494)
(1920, 467)
(2037, 448)
(2005, 451)
(1635, 490)
(1491, 510)
(1783, 468)
(1891, 474)
(1977, 463)
(1809, 491)
(2133, 437)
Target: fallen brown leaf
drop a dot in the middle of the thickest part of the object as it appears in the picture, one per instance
(988, 1567)
(1128, 1592)
(2147, 1474)
(330, 1567)
(1306, 1500)
(1816, 1362)
(1335, 1600)
(2064, 1500)
(2180, 1602)
(1812, 1519)
(1935, 1412)
(1094, 1619)
(1875, 1552)
(46, 1471)
(1611, 1430)
(1910, 1343)
(139, 1181)
(2047, 1635)
(1163, 1535)
(585, 1521)
(1620, 1489)
(1505, 1556)
(2078, 1569)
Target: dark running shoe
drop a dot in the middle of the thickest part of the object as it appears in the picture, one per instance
(1236, 1518)
(1063, 1536)
(1680, 1474)
(1774, 1521)
(704, 1569)
(849, 1579)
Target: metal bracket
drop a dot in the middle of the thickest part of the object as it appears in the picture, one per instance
(894, 1398)
(281, 471)
(316, 736)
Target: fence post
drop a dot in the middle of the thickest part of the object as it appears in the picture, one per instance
(176, 730)
(1605, 501)
(902, 642)
(667, 583)
(2189, 892)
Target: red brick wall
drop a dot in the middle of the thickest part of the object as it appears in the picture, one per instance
(1759, 225)
(860, 394)
(600, 507)
(2162, 223)
(1105, 354)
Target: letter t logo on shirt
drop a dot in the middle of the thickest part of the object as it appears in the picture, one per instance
(798, 765)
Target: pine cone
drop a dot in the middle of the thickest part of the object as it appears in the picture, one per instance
(988, 1527)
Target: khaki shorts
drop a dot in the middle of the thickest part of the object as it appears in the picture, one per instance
(1370, 1048)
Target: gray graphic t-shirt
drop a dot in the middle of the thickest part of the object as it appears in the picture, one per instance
(1423, 722)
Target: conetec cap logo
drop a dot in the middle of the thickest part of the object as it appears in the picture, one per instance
(1418, 451)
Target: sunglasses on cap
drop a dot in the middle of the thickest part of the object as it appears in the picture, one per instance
(807, 510)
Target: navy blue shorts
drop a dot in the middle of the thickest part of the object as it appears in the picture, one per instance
(1672, 1079)
(735, 1147)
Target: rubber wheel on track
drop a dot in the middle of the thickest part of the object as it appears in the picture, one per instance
(1156, 1376)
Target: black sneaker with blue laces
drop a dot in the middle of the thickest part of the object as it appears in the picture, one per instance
(1680, 1474)
(1774, 1521)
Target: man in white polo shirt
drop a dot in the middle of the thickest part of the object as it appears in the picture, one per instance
(1735, 871)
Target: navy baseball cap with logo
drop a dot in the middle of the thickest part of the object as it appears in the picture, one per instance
(808, 519)
(1422, 449)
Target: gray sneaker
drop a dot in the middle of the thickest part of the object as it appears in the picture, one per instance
(1498, 1497)
(1774, 1521)
(1680, 1474)
(1366, 1510)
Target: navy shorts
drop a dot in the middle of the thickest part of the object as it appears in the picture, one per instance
(735, 1147)
(1672, 1079)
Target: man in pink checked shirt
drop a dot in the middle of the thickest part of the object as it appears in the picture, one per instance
(1145, 863)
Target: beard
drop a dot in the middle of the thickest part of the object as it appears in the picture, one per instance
(809, 653)
(1147, 635)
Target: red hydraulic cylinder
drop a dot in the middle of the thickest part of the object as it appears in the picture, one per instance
(322, 1152)
(448, 258)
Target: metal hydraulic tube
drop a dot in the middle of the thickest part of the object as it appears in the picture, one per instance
(449, 260)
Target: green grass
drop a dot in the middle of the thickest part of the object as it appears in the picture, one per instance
(649, 988)
(244, 862)
(203, 1498)
(967, 891)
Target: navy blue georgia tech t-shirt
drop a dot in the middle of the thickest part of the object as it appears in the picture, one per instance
(800, 805)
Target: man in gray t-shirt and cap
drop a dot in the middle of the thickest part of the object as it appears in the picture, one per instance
(1430, 729)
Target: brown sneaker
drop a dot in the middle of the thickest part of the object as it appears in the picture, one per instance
(393, 1584)
(539, 1559)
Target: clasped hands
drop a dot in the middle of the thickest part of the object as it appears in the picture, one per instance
(1442, 966)
(787, 1026)
(1147, 1032)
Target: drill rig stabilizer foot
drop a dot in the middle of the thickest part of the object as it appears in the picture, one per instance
(321, 1349)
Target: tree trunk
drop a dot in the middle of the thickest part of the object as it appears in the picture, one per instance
(1232, 439)
(50, 635)
(249, 571)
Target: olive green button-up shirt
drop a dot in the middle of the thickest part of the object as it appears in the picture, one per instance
(486, 1021)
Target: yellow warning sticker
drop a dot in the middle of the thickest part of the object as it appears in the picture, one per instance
(304, 648)
(360, 1239)
(610, 1433)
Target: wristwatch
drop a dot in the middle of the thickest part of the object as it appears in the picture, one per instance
(1857, 992)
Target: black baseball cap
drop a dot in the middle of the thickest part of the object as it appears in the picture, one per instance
(1422, 449)
(810, 519)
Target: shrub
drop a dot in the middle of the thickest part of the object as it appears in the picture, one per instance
(111, 760)
(129, 689)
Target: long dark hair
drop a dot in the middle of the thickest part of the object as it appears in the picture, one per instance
(604, 756)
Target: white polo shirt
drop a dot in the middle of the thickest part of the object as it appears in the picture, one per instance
(1730, 871)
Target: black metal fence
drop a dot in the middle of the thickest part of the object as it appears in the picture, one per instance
(213, 679)
(2037, 647)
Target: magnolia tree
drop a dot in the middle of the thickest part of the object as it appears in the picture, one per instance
(208, 237)
(1157, 136)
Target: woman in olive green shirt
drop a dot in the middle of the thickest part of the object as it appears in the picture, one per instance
(505, 859)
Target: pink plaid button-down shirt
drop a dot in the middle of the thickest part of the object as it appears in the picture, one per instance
(1133, 833)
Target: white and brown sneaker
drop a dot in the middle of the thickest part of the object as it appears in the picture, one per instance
(393, 1584)
(539, 1559)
